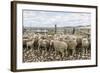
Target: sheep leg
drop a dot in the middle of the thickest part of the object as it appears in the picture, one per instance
(79, 52)
(66, 53)
(27, 47)
(83, 52)
(86, 51)
(38, 48)
(69, 52)
(62, 54)
(73, 52)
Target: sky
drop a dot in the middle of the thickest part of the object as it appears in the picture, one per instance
(38, 18)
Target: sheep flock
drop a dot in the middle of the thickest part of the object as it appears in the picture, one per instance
(45, 47)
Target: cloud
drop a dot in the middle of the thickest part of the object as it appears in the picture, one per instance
(50, 18)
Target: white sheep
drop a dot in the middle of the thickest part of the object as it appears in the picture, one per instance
(85, 45)
(60, 46)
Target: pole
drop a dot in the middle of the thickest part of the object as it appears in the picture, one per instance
(55, 28)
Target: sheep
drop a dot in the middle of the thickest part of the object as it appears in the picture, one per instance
(35, 44)
(25, 39)
(24, 44)
(85, 45)
(89, 48)
(71, 42)
(60, 47)
(79, 46)
(29, 44)
(43, 44)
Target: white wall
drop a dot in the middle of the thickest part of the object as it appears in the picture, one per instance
(5, 37)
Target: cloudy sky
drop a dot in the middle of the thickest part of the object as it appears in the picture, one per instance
(33, 18)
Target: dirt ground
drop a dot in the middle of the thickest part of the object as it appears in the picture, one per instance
(36, 56)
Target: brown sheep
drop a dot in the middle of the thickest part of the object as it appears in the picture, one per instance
(72, 43)
(43, 45)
